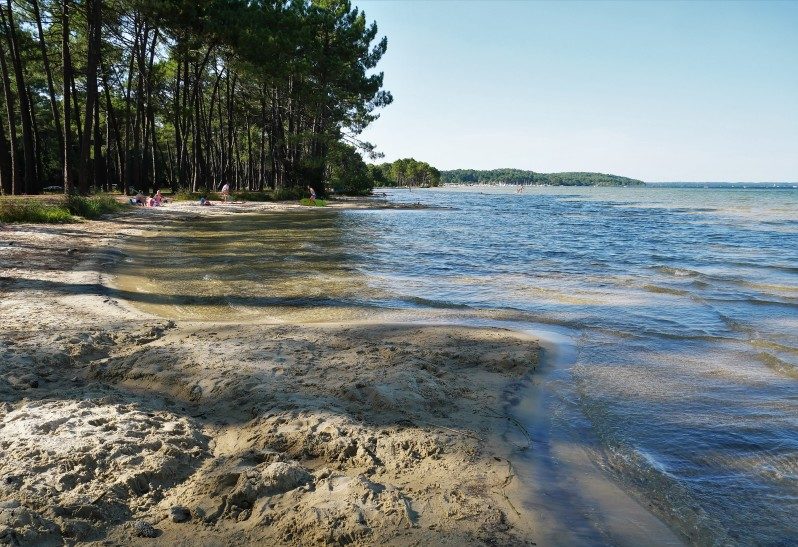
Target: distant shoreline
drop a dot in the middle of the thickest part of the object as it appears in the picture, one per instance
(653, 185)
(523, 178)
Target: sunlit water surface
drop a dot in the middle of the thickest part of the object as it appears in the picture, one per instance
(684, 303)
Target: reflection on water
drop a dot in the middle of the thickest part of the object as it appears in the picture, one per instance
(685, 303)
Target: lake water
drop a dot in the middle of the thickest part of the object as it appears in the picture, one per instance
(681, 306)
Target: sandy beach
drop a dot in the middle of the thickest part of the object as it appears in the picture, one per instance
(117, 427)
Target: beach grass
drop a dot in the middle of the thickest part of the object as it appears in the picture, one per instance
(245, 195)
(34, 211)
(289, 194)
(92, 207)
(313, 203)
(54, 211)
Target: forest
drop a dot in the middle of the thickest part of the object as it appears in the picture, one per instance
(518, 176)
(111, 95)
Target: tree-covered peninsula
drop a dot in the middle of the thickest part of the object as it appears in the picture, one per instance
(405, 172)
(519, 176)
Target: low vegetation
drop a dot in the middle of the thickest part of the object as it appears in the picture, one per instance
(52, 211)
(313, 202)
(92, 207)
(281, 194)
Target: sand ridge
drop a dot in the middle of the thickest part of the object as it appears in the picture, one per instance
(117, 427)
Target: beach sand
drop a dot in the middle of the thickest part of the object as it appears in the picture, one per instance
(117, 427)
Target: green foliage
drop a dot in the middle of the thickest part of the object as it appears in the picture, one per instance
(347, 172)
(193, 94)
(66, 209)
(185, 195)
(91, 207)
(289, 194)
(252, 196)
(518, 176)
(313, 203)
(34, 211)
(408, 172)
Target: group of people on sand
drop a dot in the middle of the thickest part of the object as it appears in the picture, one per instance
(156, 200)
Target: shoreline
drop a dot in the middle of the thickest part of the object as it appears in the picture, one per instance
(241, 432)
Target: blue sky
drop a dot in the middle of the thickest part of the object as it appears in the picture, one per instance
(661, 91)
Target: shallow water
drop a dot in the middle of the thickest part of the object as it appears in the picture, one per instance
(682, 304)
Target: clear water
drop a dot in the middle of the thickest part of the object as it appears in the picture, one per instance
(683, 304)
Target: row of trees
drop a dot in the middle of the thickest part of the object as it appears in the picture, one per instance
(518, 176)
(142, 94)
(405, 172)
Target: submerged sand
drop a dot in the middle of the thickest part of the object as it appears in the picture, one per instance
(117, 427)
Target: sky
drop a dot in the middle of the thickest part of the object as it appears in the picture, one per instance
(659, 91)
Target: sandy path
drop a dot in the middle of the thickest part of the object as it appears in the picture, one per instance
(116, 427)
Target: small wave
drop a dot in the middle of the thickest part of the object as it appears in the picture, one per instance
(753, 301)
(665, 290)
(774, 346)
(788, 291)
(426, 302)
(675, 503)
(779, 366)
(679, 272)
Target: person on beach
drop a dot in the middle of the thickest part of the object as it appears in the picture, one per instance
(204, 201)
(225, 192)
(158, 198)
(139, 199)
(312, 195)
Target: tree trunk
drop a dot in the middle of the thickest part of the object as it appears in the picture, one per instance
(59, 131)
(28, 146)
(153, 150)
(94, 22)
(178, 129)
(5, 159)
(139, 132)
(198, 167)
(182, 153)
(13, 166)
(112, 123)
(128, 162)
(67, 62)
(262, 155)
(171, 164)
(208, 136)
(249, 179)
(149, 113)
(37, 148)
(76, 109)
(99, 161)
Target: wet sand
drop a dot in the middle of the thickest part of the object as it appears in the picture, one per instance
(117, 426)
